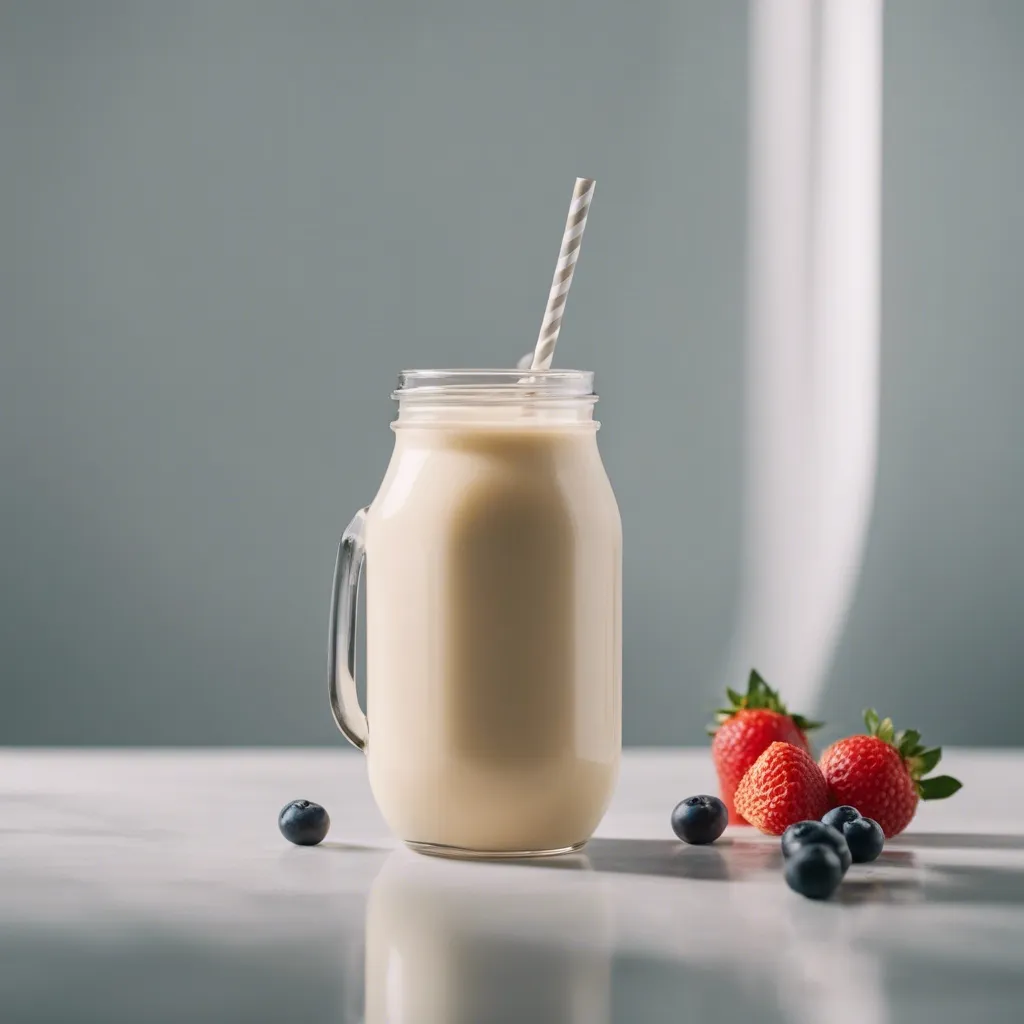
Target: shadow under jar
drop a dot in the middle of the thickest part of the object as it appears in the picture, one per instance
(493, 555)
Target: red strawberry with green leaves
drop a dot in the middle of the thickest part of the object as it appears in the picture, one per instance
(784, 786)
(745, 729)
(883, 773)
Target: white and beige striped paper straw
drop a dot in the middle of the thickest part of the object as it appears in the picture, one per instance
(564, 268)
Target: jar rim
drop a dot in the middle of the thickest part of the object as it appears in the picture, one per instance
(499, 385)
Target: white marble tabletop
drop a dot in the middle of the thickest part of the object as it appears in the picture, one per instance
(153, 887)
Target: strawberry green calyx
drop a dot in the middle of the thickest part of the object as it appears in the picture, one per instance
(759, 697)
(920, 760)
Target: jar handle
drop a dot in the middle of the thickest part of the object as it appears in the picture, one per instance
(341, 650)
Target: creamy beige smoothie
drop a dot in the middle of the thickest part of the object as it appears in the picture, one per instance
(493, 591)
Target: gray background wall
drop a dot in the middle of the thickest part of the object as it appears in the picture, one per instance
(224, 226)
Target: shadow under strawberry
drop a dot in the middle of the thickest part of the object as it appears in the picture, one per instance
(959, 884)
(959, 841)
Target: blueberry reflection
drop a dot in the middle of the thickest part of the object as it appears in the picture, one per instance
(464, 943)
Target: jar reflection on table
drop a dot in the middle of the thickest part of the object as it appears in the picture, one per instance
(463, 943)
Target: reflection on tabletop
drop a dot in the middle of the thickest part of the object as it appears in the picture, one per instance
(594, 937)
(629, 928)
(119, 904)
(628, 931)
(445, 943)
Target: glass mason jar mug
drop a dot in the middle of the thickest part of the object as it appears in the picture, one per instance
(493, 554)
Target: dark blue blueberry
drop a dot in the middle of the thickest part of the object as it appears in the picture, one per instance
(864, 838)
(839, 816)
(810, 833)
(814, 871)
(303, 822)
(699, 819)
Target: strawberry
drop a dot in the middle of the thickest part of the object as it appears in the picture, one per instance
(743, 731)
(783, 786)
(882, 774)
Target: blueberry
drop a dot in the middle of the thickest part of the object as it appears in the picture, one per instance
(814, 871)
(839, 816)
(699, 819)
(808, 833)
(303, 822)
(864, 838)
